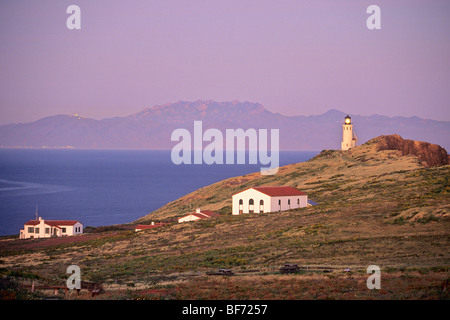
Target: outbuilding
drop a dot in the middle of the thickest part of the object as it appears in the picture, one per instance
(153, 225)
(197, 215)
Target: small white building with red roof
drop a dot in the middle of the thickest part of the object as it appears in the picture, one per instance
(268, 199)
(153, 225)
(41, 228)
(197, 215)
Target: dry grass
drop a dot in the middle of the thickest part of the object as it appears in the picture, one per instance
(299, 287)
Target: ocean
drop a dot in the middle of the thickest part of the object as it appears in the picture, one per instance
(102, 187)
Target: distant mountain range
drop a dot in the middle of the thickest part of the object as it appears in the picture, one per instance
(152, 127)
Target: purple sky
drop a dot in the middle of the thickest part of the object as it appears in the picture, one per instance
(294, 57)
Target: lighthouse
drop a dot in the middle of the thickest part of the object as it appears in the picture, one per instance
(348, 136)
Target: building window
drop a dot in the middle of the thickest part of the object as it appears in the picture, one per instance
(298, 201)
(36, 230)
(251, 203)
(261, 206)
(241, 205)
(63, 230)
(47, 230)
(30, 229)
(289, 203)
(279, 205)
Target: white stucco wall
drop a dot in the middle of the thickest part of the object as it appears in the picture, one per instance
(187, 218)
(294, 203)
(40, 227)
(347, 137)
(246, 195)
(72, 230)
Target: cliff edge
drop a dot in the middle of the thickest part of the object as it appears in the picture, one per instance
(429, 155)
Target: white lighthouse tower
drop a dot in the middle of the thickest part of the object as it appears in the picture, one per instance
(348, 136)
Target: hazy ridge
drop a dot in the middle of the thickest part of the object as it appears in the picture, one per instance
(152, 127)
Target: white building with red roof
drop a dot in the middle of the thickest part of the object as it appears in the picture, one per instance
(50, 228)
(153, 225)
(268, 199)
(197, 215)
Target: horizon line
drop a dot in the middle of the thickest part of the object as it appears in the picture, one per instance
(209, 101)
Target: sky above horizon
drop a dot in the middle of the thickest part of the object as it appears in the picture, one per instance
(294, 57)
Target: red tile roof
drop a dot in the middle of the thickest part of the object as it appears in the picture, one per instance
(208, 213)
(149, 226)
(279, 191)
(32, 222)
(202, 215)
(60, 222)
(198, 215)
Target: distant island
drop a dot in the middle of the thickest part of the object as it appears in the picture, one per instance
(152, 127)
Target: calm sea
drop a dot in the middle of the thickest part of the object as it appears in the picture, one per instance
(101, 187)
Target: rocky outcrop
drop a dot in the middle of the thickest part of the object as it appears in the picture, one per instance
(429, 154)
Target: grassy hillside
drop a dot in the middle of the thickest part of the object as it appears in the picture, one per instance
(336, 178)
(376, 207)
